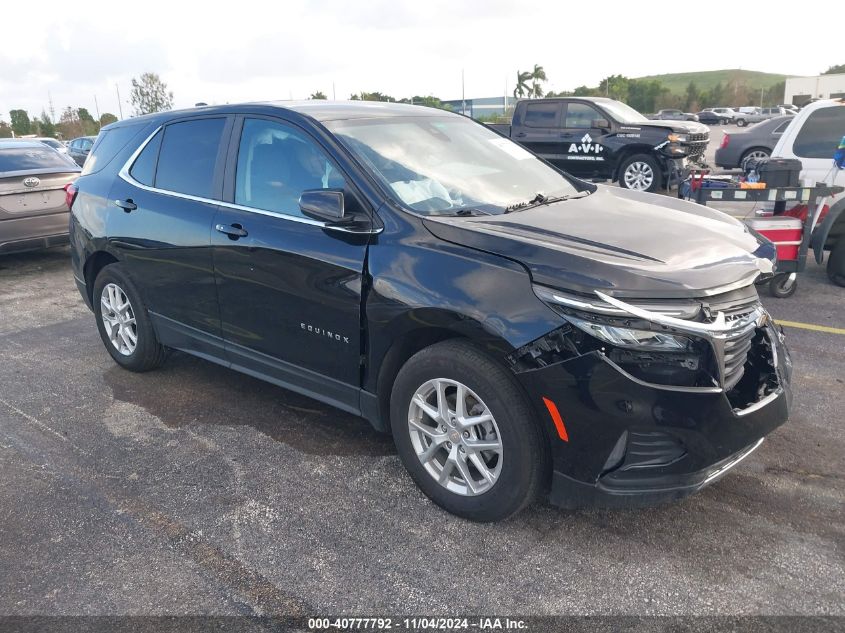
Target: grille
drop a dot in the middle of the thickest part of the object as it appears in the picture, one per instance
(696, 144)
(650, 449)
(736, 353)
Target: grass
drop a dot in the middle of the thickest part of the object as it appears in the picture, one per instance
(677, 82)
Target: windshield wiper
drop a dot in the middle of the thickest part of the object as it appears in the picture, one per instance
(540, 200)
(468, 212)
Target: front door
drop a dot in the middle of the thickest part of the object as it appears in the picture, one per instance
(584, 153)
(289, 288)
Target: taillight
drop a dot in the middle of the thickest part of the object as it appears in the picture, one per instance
(70, 194)
(725, 140)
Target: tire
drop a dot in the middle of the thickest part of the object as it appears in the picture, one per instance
(113, 287)
(754, 152)
(724, 121)
(780, 288)
(836, 263)
(639, 166)
(516, 468)
(741, 122)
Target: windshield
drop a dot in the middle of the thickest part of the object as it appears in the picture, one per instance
(622, 112)
(442, 164)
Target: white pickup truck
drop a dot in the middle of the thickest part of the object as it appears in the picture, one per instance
(812, 137)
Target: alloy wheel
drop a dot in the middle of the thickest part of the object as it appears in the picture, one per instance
(119, 319)
(639, 176)
(455, 437)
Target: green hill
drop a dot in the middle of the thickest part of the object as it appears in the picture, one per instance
(677, 82)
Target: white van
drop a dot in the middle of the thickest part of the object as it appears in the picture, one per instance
(812, 137)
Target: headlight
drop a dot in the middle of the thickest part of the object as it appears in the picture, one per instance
(632, 338)
(677, 138)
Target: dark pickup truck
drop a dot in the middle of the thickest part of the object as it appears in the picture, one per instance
(594, 137)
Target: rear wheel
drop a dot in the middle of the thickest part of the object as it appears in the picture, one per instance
(836, 263)
(466, 433)
(640, 172)
(755, 153)
(123, 322)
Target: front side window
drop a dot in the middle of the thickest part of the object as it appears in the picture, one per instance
(276, 163)
(580, 116)
(819, 136)
(188, 155)
(437, 165)
(541, 114)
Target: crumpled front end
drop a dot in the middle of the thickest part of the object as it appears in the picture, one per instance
(651, 401)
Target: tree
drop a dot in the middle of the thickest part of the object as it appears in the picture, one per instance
(429, 101)
(69, 124)
(835, 70)
(522, 87)
(318, 95)
(5, 130)
(615, 87)
(371, 96)
(20, 122)
(538, 76)
(107, 118)
(46, 125)
(149, 94)
(693, 97)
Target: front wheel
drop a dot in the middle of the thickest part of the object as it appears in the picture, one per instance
(836, 263)
(465, 432)
(741, 122)
(123, 322)
(640, 172)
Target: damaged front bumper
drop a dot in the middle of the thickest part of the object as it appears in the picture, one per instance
(629, 441)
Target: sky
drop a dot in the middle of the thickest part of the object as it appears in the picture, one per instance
(249, 51)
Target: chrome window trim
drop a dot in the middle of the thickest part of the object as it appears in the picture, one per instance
(126, 176)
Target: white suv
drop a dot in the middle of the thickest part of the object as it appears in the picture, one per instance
(812, 137)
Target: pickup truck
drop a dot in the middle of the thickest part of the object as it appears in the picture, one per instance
(600, 138)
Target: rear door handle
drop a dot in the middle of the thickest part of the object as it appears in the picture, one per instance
(566, 135)
(520, 134)
(234, 231)
(127, 205)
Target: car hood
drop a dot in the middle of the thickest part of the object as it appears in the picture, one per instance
(686, 127)
(627, 243)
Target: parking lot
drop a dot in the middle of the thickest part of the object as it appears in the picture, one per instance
(194, 489)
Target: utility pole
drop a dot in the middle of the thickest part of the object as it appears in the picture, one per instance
(52, 110)
(463, 95)
(97, 108)
(119, 104)
(334, 95)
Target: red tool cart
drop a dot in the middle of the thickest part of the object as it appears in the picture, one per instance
(791, 235)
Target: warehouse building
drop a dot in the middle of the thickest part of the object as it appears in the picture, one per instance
(800, 90)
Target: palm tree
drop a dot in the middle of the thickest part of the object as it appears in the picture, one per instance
(522, 86)
(538, 75)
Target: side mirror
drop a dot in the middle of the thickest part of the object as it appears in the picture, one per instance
(601, 124)
(322, 204)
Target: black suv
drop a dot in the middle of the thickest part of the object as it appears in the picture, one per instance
(518, 330)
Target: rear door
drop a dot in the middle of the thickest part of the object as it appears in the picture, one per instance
(584, 153)
(160, 219)
(539, 129)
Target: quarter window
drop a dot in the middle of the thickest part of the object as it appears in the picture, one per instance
(276, 163)
(820, 134)
(541, 114)
(580, 116)
(188, 155)
(144, 167)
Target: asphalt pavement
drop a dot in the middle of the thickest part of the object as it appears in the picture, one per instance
(197, 490)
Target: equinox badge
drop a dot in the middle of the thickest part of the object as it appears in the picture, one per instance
(313, 329)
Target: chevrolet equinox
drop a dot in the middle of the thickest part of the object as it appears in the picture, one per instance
(519, 331)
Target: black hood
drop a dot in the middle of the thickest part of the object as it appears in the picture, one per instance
(628, 243)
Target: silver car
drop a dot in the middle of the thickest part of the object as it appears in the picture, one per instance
(33, 208)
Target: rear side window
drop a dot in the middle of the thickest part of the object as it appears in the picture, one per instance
(541, 114)
(188, 156)
(30, 158)
(144, 168)
(107, 145)
(819, 136)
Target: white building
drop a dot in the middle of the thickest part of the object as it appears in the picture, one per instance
(799, 90)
